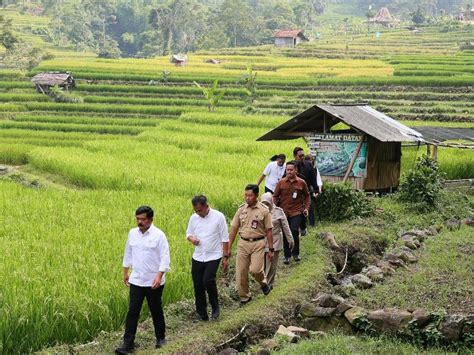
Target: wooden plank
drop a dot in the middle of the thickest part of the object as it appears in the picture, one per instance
(354, 157)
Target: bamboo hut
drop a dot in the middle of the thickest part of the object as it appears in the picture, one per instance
(45, 81)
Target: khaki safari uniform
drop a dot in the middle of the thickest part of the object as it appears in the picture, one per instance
(252, 223)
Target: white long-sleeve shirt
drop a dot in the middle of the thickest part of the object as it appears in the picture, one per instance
(211, 232)
(319, 181)
(147, 254)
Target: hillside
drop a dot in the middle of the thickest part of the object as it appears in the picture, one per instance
(143, 134)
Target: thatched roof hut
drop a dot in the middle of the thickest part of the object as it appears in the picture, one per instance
(179, 59)
(44, 81)
(384, 18)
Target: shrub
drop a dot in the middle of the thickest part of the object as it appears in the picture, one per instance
(340, 201)
(422, 184)
(59, 95)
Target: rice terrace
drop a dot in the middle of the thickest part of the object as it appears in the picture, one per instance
(109, 105)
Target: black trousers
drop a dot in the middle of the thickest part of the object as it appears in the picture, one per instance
(204, 280)
(295, 223)
(311, 216)
(268, 190)
(153, 297)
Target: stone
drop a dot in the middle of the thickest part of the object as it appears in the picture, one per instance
(347, 282)
(270, 344)
(285, 333)
(354, 313)
(420, 317)
(301, 332)
(433, 230)
(411, 242)
(323, 312)
(468, 221)
(328, 300)
(328, 325)
(418, 234)
(341, 308)
(389, 320)
(374, 273)
(394, 260)
(311, 310)
(3, 170)
(405, 254)
(228, 351)
(263, 352)
(318, 334)
(308, 309)
(452, 326)
(386, 267)
(330, 239)
(361, 281)
(468, 328)
(453, 224)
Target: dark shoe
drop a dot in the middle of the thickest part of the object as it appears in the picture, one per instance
(159, 343)
(286, 261)
(266, 289)
(297, 258)
(125, 349)
(243, 303)
(304, 232)
(203, 317)
(215, 314)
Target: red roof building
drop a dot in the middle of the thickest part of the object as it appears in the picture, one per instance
(289, 38)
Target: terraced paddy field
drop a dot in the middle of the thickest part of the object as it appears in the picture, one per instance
(132, 143)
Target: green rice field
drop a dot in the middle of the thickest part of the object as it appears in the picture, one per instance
(131, 143)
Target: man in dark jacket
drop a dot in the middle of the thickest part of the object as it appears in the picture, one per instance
(306, 169)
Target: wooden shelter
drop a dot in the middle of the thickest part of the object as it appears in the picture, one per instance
(467, 15)
(44, 81)
(366, 151)
(179, 60)
(289, 38)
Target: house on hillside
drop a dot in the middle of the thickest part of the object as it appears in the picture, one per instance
(352, 143)
(384, 18)
(45, 81)
(467, 15)
(289, 38)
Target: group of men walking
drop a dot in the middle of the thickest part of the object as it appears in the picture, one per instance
(265, 228)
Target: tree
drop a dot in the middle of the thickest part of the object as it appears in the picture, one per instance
(7, 38)
(239, 22)
(418, 17)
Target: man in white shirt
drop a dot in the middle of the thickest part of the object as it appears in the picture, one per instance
(207, 231)
(272, 173)
(147, 253)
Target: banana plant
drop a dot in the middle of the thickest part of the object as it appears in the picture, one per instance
(211, 94)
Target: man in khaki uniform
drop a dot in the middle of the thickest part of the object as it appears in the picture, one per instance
(253, 221)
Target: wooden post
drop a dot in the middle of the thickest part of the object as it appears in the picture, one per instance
(435, 152)
(354, 157)
(428, 150)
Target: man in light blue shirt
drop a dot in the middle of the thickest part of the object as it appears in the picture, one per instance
(147, 253)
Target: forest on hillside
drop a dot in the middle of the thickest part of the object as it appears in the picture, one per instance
(133, 28)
